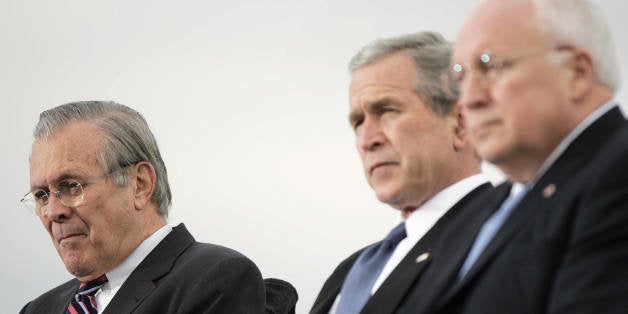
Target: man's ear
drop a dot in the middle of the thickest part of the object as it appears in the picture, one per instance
(460, 137)
(583, 77)
(145, 180)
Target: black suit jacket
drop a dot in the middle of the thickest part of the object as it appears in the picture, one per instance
(564, 248)
(179, 276)
(391, 294)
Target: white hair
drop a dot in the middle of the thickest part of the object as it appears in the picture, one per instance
(580, 23)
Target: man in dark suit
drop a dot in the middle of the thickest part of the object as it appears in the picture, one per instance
(100, 188)
(537, 80)
(417, 158)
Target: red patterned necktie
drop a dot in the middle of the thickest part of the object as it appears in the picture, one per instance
(84, 301)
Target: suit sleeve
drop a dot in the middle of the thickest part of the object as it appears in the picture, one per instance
(593, 275)
(25, 308)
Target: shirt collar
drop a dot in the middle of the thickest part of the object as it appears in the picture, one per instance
(118, 275)
(567, 140)
(439, 204)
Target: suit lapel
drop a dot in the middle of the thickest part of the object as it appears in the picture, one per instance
(64, 298)
(443, 284)
(143, 279)
(393, 289)
(405, 276)
(333, 284)
(573, 159)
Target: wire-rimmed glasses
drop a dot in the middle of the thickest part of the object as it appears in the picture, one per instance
(489, 67)
(70, 192)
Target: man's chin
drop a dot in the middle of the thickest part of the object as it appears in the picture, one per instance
(392, 198)
(75, 264)
(491, 151)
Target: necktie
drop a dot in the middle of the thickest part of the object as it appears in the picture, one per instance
(356, 288)
(84, 301)
(491, 226)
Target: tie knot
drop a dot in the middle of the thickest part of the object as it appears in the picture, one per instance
(397, 234)
(90, 287)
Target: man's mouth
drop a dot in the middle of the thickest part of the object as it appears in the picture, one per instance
(380, 165)
(70, 236)
(483, 125)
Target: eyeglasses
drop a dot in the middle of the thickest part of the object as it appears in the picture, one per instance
(70, 193)
(489, 67)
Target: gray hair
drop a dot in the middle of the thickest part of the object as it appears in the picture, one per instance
(580, 23)
(127, 140)
(431, 54)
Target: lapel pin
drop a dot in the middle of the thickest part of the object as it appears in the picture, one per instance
(422, 257)
(549, 190)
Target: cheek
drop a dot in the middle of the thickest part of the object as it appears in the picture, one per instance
(107, 216)
(420, 153)
(47, 223)
(517, 102)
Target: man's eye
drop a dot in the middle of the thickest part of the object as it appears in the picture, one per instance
(70, 187)
(40, 196)
(458, 73)
(489, 66)
(355, 124)
(385, 109)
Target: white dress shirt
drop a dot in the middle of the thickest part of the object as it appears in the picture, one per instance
(118, 275)
(424, 217)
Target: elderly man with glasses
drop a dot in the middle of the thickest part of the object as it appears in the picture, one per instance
(537, 80)
(100, 188)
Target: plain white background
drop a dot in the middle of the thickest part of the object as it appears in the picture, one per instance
(248, 101)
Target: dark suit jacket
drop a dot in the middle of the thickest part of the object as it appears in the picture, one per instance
(564, 248)
(404, 277)
(179, 276)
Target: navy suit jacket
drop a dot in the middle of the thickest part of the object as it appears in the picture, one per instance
(564, 248)
(393, 291)
(179, 276)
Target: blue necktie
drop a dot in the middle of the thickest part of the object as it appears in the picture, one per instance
(356, 289)
(491, 226)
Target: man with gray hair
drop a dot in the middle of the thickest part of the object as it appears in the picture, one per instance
(100, 188)
(417, 158)
(537, 80)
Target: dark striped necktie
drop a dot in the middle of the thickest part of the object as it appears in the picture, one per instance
(84, 301)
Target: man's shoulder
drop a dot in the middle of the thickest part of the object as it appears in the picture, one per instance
(187, 250)
(208, 253)
(57, 297)
(213, 262)
(230, 281)
(479, 194)
(471, 206)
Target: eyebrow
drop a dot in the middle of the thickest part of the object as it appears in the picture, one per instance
(375, 106)
(354, 116)
(62, 177)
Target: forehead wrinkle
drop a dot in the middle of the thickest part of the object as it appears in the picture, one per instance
(370, 106)
(64, 168)
(374, 92)
(503, 26)
(70, 174)
(71, 151)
